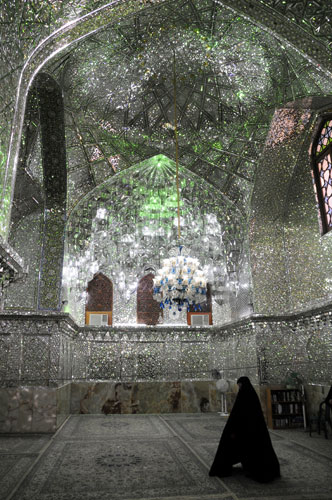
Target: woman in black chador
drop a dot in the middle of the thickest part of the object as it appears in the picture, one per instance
(246, 439)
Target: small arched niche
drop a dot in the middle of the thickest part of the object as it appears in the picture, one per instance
(201, 316)
(148, 309)
(99, 302)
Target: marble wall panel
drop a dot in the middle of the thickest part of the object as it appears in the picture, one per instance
(195, 396)
(144, 397)
(92, 397)
(28, 409)
(9, 408)
(44, 411)
(126, 399)
(26, 399)
(315, 394)
(157, 397)
(63, 394)
(214, 397)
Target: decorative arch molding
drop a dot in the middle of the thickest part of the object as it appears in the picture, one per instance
(262, 15)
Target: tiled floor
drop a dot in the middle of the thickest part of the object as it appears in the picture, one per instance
(152, 457)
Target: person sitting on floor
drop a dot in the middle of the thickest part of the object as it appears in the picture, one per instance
(246, 440)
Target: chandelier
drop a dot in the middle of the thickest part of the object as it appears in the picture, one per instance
(179, 283)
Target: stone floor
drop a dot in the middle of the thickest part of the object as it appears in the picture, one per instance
(164, 457)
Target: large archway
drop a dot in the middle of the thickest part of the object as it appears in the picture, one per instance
(308, 42)
(128, 224)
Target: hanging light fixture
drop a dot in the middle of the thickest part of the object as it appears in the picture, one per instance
(180, 282)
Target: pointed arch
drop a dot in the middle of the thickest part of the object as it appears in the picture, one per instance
(99, 300)
(148, 309)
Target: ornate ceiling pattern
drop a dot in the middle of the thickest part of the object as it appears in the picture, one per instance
(230, 161)
(230, 76)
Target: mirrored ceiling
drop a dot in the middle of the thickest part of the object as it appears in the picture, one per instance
(230, 75)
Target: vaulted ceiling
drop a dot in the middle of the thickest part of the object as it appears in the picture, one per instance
(230, 75)
(118, 86)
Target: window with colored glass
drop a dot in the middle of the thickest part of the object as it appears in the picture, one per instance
(322, 172)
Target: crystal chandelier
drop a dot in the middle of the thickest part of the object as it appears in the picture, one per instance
(179, 283)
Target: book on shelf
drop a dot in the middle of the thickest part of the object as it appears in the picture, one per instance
(285, 408)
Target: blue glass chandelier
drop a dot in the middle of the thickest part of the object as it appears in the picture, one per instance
(180, 283)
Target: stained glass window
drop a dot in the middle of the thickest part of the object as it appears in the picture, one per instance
(322, 153)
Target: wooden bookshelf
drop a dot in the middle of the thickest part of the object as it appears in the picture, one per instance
(285, 408)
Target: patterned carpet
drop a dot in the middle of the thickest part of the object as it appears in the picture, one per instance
(150, 457)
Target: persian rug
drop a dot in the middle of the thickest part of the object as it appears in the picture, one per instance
(150, 457)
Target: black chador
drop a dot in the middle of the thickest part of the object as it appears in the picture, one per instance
(246, 440)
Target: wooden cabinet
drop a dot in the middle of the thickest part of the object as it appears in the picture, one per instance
(285, 408)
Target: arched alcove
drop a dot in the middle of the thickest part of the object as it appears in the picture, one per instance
(204, 309)
(289, 258)
(215, 123)
(128, 223)
(148, 309)
(99, 301)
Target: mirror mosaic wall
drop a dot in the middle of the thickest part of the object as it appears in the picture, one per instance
(113, 73)
(116, 77)
(128, 224)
